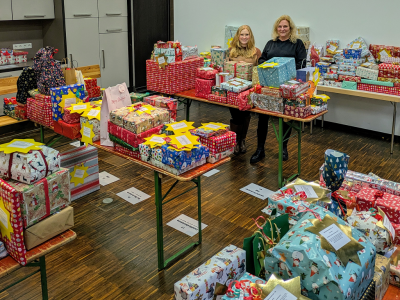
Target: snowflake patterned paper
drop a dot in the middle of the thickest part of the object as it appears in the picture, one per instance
(284, 71)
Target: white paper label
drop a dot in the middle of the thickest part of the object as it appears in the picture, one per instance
(183, 140)
(213, 126)
(157, 139)
(234, 82)
(161, 60)
(178, 126)
(78, 107)
(79, 173)
(307, 189)
(86, 131)
(279, 293)
(356, 45)
(19, 144)
(335, 236)
(389, 226)
(133, 195)
(3, 218)
(332, 48)
(186, 225)
(207, 69)
(293, 82)
(69, 101)
(257, 191)
(383, 53)
(93, 112)
(106, 178)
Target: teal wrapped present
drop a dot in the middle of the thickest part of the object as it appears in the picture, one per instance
(56, 97)
(349, 85)
(219, 56)
(384, 83)
(279, 74)
(326, 274)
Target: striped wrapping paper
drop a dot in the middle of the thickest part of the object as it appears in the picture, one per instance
(89, 157)
(39, 110)
(221, 143)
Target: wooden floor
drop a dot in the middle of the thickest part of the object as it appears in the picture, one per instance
(115, 254)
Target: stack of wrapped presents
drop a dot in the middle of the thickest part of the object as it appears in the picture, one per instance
(35, 196)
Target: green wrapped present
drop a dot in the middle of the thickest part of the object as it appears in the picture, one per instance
(114, 139)
(219, 56)
(349, 85)
(138, 97)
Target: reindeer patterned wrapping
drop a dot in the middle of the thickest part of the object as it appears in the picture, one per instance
(30, 167)
(43, 198)
(228, 264)
(323, 275)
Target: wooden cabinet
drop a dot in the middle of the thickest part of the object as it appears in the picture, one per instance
(32, 9)
(81, 9)
(5, 10)
(115, 8)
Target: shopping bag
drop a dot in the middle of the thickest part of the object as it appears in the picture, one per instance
(113, 97)
(69, 73)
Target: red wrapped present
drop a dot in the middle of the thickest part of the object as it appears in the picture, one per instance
(366, 198)
(176, 77)
(90, 83)
(160, 101)
(293, 89)
(21, 112)
(176, 52)
(206, 73)
(219, 143)
(130, 137)
(94, 92)
(203, 87)
(379, 89)
(173, 114)
(232, 98)
(11, 101)
(389, 71)
(244, 101)
(71, 131)
(126, 151)
(69, 117)
(216, 98)
(297, 112)
(390, 205)
(39, 110)
(349, 78)
(397, 233)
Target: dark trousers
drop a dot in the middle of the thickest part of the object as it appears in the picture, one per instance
(239, 117)
(262, 131)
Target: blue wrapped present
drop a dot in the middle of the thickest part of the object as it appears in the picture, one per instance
(323, 67)
(305, 74)
(335, 168)
(278, 74)
(56, 97)
(183, 159)
(352, 53)
(325, 274)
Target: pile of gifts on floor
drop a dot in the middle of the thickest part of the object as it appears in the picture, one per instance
(35, 196)
(358, 66)
(330, 239)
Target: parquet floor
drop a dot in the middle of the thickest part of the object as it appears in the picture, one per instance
(114, 256)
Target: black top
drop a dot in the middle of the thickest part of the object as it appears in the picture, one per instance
(285, 49)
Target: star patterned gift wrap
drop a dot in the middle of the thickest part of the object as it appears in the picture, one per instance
(206, 73)
(220, 143)
(219, 56)
(182, 159)
(268, 102)
(367, 73)
(39, 110)
(228, 264)
(297, 112)
(213, 158)
(278, 74)
(203, 87)
(323, 274)
(29, 167)
(96, 127)
(57, 94)
(243, 286)
(236, 85)
(241, 70)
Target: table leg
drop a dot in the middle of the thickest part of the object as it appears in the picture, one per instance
(322, 121)
(160, 239)
(41, 134)
(302, 126)
(299, 151)
(311, 126)
(43, 277)
(280, 155)
(199, 207)
(393, 127)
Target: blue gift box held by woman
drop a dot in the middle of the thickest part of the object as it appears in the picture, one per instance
(284, 43)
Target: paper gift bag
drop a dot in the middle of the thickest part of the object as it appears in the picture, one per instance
(113, 98)
(69, 73)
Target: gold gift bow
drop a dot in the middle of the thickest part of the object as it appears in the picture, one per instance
(321, 192)
(380, 223)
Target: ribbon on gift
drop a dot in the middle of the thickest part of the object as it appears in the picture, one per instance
(302, 208)
(46, 194)
(268, 65)
(270, 241)
(11, 160)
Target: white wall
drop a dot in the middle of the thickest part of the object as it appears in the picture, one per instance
(202, 23)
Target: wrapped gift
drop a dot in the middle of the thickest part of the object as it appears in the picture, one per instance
(277, 71)
(207, 132)
(349, 85)
(390, 205)
(305, 74)
(323, 67)
(128, 152)
(379, 89)
(297, 112)
(232, 98)
(176, 77)
(222, 77)
(203, 87)
(213, 158)
(241, 70)
(162, 102)
(189, 52)
(271, 91)
(88, 158)
(254, 78)
(241, 287)
(384, 83)
(324, 270)
(116, 140)
(94, 92)
(147, 153)
(29, 167)
(236, 85)
(293, 89)
(172, 170)
(172, 50)
(315, 110)
(215, 90)
(181, 159)
(352, 53)
(206, 73)
(21, 112)
(332, 46)
(40, 111)
(346, 68)
(228, 264)
(96, 127)
(351, 62)
(349, 78)
(130, 137)
(388, 70)
(90, 83)
(71, 131)
(268, 102)
(69, 117)
(220, 143)
(366, 198)
(56, 97)
(244, 100)
(219, 56)
(381, 276)
(333, 76)
(367, 73)
(347, 73)
(138, 97)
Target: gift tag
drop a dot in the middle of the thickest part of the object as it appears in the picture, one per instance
(335, 236)
(178, 126)
(79, 107)
(157, 139)
(87, 131)
(213, 126)
(79, 173)
(183, 140)
(356, 45)
(279, 293)
(19, 144)
(389, 226)
(69, 101)
(307, 189)
(161, 60)
(93, 112)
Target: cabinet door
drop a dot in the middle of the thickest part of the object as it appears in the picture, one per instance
(114, 59)
(32, 9)
(80, 9)
(83, 40)
(5, 10)
(115, 8)
(113, 25)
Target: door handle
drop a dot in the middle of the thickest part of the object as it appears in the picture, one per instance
(104, 60)
(6, 76)
(82, 15)
(34, 16)
(114, 30)
(113, 14)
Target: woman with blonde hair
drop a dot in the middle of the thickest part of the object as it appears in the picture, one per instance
(284, 43)
(242, 49)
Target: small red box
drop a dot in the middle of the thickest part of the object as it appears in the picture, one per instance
(71, 131)
(90, 83)
(93, 92)
(206, 73)
(21, 112)
(216, 98)
(232, 98)
(126, 151)
(69, 117)
(220, 143)
(39, 110)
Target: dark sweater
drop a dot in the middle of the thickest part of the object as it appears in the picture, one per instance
(285, 49)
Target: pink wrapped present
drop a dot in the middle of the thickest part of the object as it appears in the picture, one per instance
(216, 98)
(293, 89)
(126, 151)
(220, 143)
(69, 117)
(244, 100)
(206, 73)
(349, 78)
(203, 87)
(232, 98)
(297, 112)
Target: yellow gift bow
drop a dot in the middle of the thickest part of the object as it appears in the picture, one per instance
(214, 126)
(20, 145)
(187, 147)
(186, 126)
(268, 65)
(6, 229)
(150, 141)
